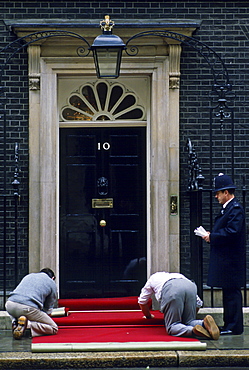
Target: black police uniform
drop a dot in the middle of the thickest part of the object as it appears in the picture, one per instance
(227, 258)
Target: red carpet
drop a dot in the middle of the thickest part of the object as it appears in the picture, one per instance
(120, 303)
(113, 324)
(108, 318)
(111, 334)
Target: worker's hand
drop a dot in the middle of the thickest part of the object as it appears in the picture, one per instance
(207, 237)
(151, 317)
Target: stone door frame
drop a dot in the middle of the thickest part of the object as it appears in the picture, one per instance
(158, 59)
(163, 162)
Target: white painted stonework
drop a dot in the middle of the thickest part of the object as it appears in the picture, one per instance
(157, 63)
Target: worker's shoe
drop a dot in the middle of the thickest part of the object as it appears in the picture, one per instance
(19, 331)
(200, 331)
(14, 324)
(211, 327)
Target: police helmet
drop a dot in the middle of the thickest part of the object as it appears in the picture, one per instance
(223, 182)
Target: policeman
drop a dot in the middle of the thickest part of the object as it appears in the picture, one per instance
(227, 254)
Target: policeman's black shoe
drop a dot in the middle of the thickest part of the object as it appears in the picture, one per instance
(226, 332)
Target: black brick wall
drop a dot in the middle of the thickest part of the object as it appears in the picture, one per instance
(223, 28)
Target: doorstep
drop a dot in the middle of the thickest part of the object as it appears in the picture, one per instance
(217, 313)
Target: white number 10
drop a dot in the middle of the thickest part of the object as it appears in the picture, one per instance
(105, 146)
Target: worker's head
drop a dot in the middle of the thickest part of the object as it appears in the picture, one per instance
(49, 272)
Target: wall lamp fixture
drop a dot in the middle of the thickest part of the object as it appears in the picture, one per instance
(107, 51)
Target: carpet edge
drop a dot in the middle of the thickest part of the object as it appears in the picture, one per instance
(113, 346)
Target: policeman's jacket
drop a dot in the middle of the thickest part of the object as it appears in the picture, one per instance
(227, 248)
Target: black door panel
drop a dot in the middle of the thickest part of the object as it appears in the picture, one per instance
(102, 212)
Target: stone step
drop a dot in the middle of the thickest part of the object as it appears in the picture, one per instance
(217, 313)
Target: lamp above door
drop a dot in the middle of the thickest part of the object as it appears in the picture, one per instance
(107, 51)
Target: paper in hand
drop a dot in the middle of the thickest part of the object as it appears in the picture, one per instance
(200, 231)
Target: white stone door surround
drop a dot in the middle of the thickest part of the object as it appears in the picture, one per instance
(160, 60)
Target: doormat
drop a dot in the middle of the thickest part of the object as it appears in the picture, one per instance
(107, 325)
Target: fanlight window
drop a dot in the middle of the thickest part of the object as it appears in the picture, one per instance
(102, 101)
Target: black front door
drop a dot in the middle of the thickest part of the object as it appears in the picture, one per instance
(102, 212)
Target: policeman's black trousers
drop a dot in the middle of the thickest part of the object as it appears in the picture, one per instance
(233, 310)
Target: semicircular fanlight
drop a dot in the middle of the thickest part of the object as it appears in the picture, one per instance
(102, 101)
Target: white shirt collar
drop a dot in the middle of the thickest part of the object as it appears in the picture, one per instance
(225, 204)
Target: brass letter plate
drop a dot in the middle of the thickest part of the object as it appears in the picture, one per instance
(102, 203)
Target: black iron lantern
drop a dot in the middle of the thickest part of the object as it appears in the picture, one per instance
(107, 51)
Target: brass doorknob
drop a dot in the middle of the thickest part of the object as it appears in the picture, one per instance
(102, 223)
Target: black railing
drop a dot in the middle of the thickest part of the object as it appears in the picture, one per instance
(9, 205)
(198, 214)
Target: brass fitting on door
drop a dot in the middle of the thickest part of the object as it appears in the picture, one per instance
(102, 223)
